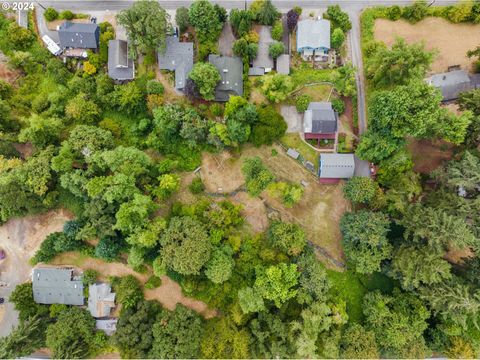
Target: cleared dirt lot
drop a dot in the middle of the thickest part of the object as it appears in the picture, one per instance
(428, 155)
(452, 40)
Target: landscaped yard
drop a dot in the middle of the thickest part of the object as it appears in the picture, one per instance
(294, 141)
(319, 92)
(452, 40)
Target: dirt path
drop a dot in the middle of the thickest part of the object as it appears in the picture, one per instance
(20, 238)
(169, 294)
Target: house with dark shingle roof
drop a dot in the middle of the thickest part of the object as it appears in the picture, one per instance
(320, 121)
(78, 35)
(231, 72)
(56, 286)
(120, 66)
(334, 167)
(451, 83)
(178, 57)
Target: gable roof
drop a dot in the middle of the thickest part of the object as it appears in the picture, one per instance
(283, 64)
(78, 35)
(231, 72)
(100, 300)
(336, 166)
(178, 57)
(451, 84)
(120, 67)
(313, 34)
(263, 58)
(56, 286)
(320, 118)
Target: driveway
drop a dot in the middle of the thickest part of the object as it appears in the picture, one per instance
(226, 40)
(42, 25)
(20, 238)
(293, 119)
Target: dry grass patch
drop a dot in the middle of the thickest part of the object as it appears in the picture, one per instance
(452, 40)
(428, 155)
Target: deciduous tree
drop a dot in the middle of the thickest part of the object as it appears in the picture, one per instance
(206, 77)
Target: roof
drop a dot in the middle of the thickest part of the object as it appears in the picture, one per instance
(56, 286)
(293, 153)
(336, 166)
(256, 71)
(178, 57)
(313, 34)
(51, 45)
(109, 326)
(283, 64)
(120, 67)
(320, 118)
(231, 72)
(451, 84)
(79, 35)
(263, 58)
(100, 300)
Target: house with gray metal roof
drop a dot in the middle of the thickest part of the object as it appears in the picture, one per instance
(178, 57)
(56, 286)
(120, 66)
(320, 121)
(101, 300)
(313, 37)
(78, 35)
(334, 167)
(231, 72)
(451, 83)
(283, 64)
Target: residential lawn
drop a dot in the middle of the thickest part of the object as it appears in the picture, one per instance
(293, 140)
(316, 92)
(307, 76)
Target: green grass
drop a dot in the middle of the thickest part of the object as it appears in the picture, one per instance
(316, 92)
(307, 76)
(293, 141)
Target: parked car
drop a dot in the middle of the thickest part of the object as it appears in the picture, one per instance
(2, 254)
(2, 300)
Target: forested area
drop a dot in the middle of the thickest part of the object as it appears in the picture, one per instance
(114, 155)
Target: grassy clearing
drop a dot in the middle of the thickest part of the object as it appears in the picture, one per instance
(307, 76)
(316, 92)
(294, 141)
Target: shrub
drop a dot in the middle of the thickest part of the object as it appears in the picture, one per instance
(155, 87)
(257, 176)
(277, 31)
(216, 109)
(50, 14)
(108, 249)
(196, 187)
(415, 12)
(394, 13)
(112, 126)
(129, 292)
(337, 38)
(302, 101)
(153, 282)
(89, 68)
(276, 49)
(181, 18)
(89, 277)
(67, 15)
(338, 105)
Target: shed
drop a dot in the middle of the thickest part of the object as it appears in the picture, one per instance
(313, 36)
(78, 35)
(451, 84)
(320, 121)
(336, 166)
(178, 57)
(56, 286)
(283, 64)
(293, 153)
(231, 72)
(256, 71)
(100, 300)
(120, 66)
(108, 326)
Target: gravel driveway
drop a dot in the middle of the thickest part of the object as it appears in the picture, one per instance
(293, 119)
(226, 40)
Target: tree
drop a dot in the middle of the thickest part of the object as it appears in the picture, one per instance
(73, 335)
(264, 12)
(313, 281)
(22, 298)
(344, 79)
(26, 338)
(41, 131)
(108, 248)
(277, 31)
(399, 64)
(419, 267)
(134, 335)
(125, 160)
(177, 334)
(358, 343)
(365, 240)
(241, 21)
(464, 173)
(220, 267)
(337, 38)
(129, 97)
(50, 14)
(398, 320)
(223, 339)
(287, 237)
(206, 77)
(360, 190)
(275, 49)
(186, 247)
(277, 87)
(133, 214)
(167, 185)
(292, 20)
(257, 176)
(146, 23)
(250, 300)
(416, 12)
(18, 37)
(181, 18)
(204, 18)
(302, 101)
(129, 292)
(277, 283)
(82, 110)
(338, 18)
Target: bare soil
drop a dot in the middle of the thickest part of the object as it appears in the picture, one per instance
(452, 40)
(254, 211)
(221, 173)
(8, 74)
(428, 155)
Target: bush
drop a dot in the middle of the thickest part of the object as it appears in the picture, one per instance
(54, 244)
(394, 13)
(90, 277)
(216, 109)
(302, 101)
(257, 176)
(51, 14)
(181, 18)
(277, 31)
(338, 105)
(153, 282)
(112, 126)
(129, 292)
(418, 11)
(108, 249)
(276, 49)
(196, 187)
(337, 38)
(155, 87)
(67, 15)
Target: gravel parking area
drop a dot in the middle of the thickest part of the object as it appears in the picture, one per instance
(293, 119)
